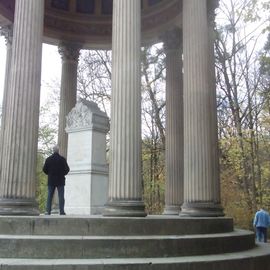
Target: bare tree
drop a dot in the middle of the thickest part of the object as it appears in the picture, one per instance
(240, 103)
(94, 83)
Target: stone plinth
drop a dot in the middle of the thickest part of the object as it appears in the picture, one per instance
(87, 181)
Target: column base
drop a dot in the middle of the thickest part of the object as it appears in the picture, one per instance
(201, 209)
(18, 207)
(124, 209)
(171, 210)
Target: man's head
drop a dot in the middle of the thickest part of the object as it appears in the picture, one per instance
(56, 149)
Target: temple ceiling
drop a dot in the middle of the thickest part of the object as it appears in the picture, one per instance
(89, 22)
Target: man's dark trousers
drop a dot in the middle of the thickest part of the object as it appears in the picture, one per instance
(61, 190)
(261, 233)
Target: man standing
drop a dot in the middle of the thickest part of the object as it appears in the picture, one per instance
(56, 168)
(261, 223)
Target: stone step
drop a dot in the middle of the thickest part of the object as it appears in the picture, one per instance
(257, 258)
(98, 225)
(86, 247)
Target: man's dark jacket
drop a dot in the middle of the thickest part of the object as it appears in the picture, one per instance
(56, 168)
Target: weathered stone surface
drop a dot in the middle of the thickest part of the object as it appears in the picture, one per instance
(155, 242)
(91, 247)
(98, 225)
(255, 259)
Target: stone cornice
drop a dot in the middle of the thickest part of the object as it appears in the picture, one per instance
(95, 30)
(161, 16)
(86, 115)
(7, 9)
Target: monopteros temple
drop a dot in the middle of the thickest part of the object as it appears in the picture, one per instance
(192, 233)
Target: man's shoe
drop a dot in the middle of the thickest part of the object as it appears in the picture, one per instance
(47, 214)
(62, 214)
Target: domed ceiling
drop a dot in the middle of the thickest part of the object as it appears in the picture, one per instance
(89, 22)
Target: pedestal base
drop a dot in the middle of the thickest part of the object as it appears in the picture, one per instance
(124, 209)
(86, 193)
(171, 210)
(201, 209)
(18, 207)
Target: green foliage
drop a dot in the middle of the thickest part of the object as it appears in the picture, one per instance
(153, 177)
(232, 186)
(233, 201)
(234, 198)
(153, 103)
(46, 140)
(41, 193)
(266, 183)
(243, 108)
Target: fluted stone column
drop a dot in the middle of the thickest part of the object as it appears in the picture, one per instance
(70, 56)
(125, 180)
(18, 175)
(7, 32)
(201, 182)
(174, 122)
(212, 5)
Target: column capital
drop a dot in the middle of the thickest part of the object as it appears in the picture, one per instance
(212, 5)
(7, 32)
(172, 39)
(69, 51)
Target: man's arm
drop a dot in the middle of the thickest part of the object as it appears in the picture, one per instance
(255, 220)
(66, 169)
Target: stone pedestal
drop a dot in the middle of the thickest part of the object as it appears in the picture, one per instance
(87, 182)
